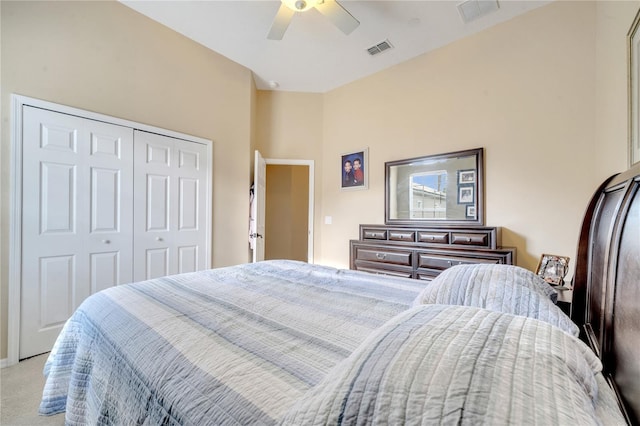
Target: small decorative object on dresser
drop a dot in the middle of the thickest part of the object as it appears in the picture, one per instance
(553, 268)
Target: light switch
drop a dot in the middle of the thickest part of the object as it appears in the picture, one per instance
(328, 220)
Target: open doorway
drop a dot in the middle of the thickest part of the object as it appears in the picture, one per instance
(287, 212)
(284, 188)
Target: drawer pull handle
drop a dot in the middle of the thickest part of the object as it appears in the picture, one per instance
(468, 239)
(380, 256)
(431, 238)
(449, 262)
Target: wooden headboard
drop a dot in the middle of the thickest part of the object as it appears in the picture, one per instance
(606, 297)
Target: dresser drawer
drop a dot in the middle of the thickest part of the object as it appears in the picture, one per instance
(396, 257)
(374, 234)
(429, 261)
(471, 239)
(408, 236)
(433, 237)
(427, 275)
(408, 273)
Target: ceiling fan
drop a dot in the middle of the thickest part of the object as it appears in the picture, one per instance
(329, 8)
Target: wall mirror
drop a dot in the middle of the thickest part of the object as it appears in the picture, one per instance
(436, 190)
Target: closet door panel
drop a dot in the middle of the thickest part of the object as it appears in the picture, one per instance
(110, 162)
(76, 209)
(105, 200)
(157, 262)
(170, 206)
(188, 201)
(152, 215)
(188, 259)
(190, 232)
(56, 289)
(57, 184)
(105, 270)
(157, 205)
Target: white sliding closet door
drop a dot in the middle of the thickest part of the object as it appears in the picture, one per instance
(100, 201)
(76, 218)
(170, 210)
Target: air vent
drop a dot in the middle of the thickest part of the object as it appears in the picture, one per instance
(379, 48)
(473, 9)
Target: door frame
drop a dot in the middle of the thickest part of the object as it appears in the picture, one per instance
(311, 165)
(15, 201)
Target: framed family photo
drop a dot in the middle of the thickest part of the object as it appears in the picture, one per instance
(354, 168)
(553, 268)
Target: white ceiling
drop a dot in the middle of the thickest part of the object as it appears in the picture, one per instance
(314, 55)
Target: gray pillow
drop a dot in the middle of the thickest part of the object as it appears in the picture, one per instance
(501, 288)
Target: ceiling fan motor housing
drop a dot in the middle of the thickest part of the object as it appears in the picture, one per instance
(337, 14)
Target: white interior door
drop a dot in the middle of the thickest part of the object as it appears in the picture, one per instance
(76, 218)
(260, 191)
(170, 210)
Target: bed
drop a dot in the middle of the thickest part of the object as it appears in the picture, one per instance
(285, 342)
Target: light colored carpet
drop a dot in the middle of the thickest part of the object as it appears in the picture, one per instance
(21, 389)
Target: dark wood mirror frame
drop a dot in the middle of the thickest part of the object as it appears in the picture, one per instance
(463, 189)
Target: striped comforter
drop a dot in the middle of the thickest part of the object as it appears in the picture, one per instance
(236, 345)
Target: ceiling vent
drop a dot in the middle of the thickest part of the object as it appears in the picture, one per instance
(379, 48)
(473, 9)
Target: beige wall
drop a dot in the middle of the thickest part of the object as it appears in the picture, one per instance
(613, 20)
(289, 125)
(104, 57)
(524, 90)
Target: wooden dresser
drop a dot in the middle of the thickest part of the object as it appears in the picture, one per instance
(424, 252)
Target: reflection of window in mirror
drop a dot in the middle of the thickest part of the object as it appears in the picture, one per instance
(428, 195)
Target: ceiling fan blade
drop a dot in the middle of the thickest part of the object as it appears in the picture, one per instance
(338, 15)
(280, 23)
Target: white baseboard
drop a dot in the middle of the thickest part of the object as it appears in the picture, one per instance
(4, 362)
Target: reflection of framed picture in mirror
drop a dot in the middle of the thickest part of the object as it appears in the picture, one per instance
(471, 211)
(553, 268)
(466, 177)
(465, 194)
